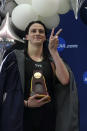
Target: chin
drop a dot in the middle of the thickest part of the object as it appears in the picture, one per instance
(38, 43)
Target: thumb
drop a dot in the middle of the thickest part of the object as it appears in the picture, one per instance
(34, 96)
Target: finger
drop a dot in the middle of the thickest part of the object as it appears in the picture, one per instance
(55, 38)
(52, 33)
(59, 31)
(34, 96)
(46, 101)
(46, 98)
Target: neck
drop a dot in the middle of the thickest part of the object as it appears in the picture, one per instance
(35, 52)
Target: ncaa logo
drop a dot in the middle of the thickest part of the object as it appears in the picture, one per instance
(85, 77)
(61, 45)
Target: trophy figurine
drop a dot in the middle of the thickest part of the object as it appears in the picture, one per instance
(38, 85)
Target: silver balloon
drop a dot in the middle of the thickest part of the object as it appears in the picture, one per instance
(2, 4)
(7, 36)
(80, 3)
(76, 5)
(9, 6)
(6, 31)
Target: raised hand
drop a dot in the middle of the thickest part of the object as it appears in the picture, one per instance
(53, 41)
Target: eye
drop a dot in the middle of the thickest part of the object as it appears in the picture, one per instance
(33, 30)
(41, 31)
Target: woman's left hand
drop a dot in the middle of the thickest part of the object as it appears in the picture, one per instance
(53, 41)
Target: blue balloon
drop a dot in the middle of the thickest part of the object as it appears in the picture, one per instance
(83, 12)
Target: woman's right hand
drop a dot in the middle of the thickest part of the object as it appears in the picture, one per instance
(34, 102)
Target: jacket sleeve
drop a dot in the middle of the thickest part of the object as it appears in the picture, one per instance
(1, 90)
(2, 87)
(2, 83)
(7, 62)
(67, 105)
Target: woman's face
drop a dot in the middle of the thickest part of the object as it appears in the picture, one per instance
(36, 34)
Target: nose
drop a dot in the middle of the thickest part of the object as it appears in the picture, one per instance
(37, 32)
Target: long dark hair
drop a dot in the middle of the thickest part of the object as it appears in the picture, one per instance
(35, 22)
(46, 53)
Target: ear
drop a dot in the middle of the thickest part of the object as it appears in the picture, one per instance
(27, 37)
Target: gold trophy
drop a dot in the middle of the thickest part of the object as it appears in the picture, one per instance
(38, 85)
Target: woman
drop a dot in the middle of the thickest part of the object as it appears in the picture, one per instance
(47, 113)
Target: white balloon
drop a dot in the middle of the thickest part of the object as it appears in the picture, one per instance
(50, 22)
(22, 15)
(45, 8)
(63, 6)
(23, 1)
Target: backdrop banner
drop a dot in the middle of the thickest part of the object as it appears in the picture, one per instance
(73, 48)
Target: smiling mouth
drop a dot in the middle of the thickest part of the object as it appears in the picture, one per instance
(38, 38)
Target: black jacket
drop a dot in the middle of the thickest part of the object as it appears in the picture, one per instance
(12, 97)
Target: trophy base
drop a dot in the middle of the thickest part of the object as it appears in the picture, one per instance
(41, 96)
